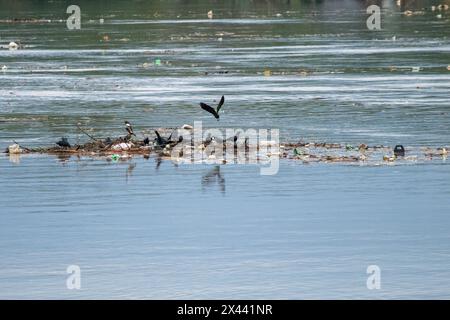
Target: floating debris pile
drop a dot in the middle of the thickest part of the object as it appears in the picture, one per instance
(177, 144)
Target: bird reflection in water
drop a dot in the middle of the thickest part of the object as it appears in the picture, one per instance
(212, 177)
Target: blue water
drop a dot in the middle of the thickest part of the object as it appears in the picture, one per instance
(142, 230)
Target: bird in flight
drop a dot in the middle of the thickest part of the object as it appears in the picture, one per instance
(214, 112)
(129, 128)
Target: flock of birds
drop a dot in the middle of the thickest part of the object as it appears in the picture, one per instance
(160, 141)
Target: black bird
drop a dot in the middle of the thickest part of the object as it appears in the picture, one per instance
(63, 143)
(129, 128)
(399, 151)
(214, 112)
(160, 141)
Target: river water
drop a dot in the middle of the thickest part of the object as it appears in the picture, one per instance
(148, 229)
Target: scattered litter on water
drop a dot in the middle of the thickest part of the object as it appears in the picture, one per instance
(14, 149)
(178, 144)
(122, 146)
(63, 143)
(13, 45)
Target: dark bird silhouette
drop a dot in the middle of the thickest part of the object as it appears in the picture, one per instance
(129, 128)
(64, 143)
(214, 112)
(162, 142)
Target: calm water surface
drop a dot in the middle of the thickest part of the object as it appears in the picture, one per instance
(142, 230)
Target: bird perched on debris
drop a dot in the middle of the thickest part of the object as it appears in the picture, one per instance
(64, 143)
(129, 128)
(399, 151)
(161, 142)
(214, 112)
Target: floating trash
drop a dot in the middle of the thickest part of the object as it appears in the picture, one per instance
(268, 143)
(399, 151)
(187, 127)
(436, 152)
(210, 14)
(363, 147)
(124, 147)
(415, 69)
(267, 73)
(157, 62)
